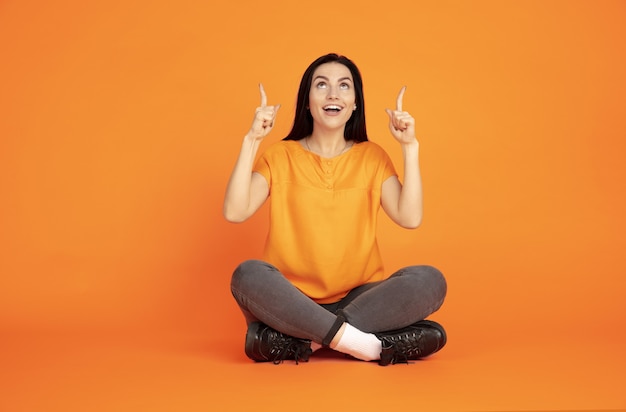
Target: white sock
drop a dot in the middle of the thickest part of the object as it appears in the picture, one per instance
(361, 345)
(315, 346)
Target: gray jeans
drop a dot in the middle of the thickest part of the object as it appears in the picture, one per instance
(264, 294)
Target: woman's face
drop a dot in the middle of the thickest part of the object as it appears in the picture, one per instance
(332, 96)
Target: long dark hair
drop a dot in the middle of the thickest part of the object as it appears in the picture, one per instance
(303, 121)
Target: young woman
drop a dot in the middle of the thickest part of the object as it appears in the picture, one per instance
(321, 282)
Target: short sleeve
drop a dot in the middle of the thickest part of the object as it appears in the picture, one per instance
(262, 167)
(388, 167)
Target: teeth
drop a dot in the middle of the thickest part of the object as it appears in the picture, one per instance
(332, 107)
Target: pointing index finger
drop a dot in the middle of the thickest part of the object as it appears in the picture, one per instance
(399, 101)
(263, 95)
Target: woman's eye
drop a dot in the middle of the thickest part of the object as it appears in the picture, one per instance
(321, 85)
(344, 86)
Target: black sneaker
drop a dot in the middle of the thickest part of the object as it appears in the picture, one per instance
(413, 342)
(264, 344)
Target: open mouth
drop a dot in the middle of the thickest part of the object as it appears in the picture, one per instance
(332, 108)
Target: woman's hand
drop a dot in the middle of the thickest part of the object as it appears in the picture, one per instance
(401, 123)
(264, 117)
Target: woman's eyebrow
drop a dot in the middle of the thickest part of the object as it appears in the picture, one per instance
(326, 78)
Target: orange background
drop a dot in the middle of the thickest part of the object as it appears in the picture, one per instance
(120, 123)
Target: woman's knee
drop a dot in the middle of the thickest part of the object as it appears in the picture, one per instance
(246, 272)
(432, 279)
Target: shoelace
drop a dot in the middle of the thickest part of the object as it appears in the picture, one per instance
(407, 346)
(285, 346)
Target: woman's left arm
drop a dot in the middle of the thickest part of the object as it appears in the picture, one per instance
(403, 201)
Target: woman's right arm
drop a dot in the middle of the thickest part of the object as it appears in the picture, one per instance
(246, 191)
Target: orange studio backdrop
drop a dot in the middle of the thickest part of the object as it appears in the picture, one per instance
(120, 123)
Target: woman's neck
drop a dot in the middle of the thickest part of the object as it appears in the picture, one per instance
(326, 145)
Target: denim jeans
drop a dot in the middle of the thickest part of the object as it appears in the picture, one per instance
(264, 294)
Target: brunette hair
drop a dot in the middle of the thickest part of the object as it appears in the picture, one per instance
(303, 121)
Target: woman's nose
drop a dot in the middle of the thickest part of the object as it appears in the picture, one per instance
(332, 93)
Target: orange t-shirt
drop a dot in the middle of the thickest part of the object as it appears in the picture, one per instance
(323, 214)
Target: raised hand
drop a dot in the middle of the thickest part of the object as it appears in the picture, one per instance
(264, 117)
(401, 123)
